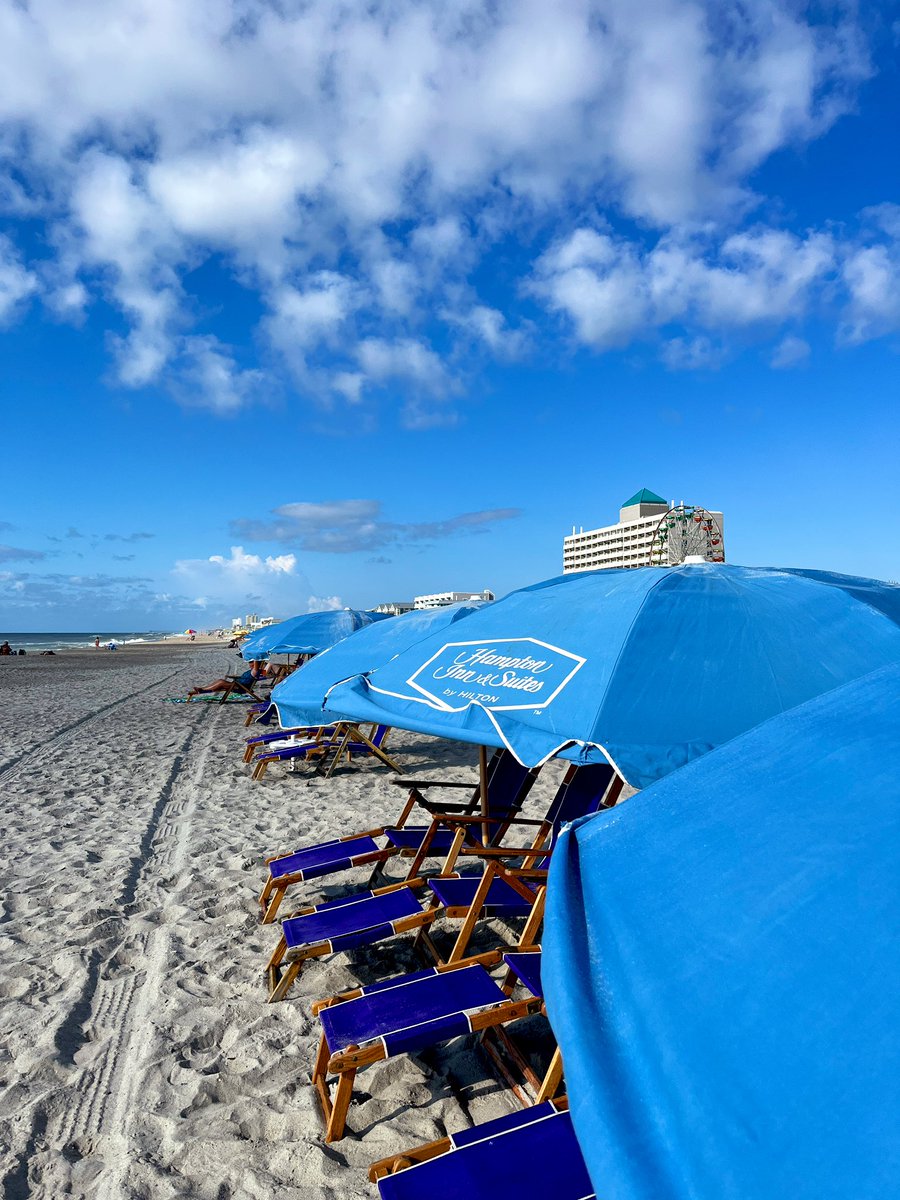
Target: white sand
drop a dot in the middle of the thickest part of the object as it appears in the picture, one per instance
(138, 1058)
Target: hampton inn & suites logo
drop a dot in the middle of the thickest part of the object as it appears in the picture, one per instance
(501, 674)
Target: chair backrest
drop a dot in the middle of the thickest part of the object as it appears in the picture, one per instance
(508, 785)
(379, 734)
(581, 792)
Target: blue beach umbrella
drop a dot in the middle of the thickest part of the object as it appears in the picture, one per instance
(308, 633)
(646, 668)
(722, 964)
(300, 699)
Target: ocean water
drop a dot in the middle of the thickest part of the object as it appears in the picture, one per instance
(33, 643)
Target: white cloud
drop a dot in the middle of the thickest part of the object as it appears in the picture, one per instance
(324, 604)
(240, 580)
(351, 162)
(233, 192)
(614, 291)
(206, 372)
(239, 563)
(489, 326)
(17, 283)
(791, 351)
(872, 277)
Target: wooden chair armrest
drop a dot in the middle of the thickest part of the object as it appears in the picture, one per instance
(426, 783)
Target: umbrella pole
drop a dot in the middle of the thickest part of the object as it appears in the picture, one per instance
(483, 787)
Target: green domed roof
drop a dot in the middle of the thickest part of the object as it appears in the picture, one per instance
(645, 496)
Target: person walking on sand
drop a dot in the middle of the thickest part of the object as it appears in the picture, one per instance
(96, 643)
(247, 680)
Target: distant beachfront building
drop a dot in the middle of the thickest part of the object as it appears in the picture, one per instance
(394, 608)
(628, 543)
(440, 599)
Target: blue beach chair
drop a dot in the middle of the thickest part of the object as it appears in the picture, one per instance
(412, 1012)
(302, 733)
(509, 892)
(508, 784)
(373, 916)
(263, 713)
(346, 741)
(526, 1154)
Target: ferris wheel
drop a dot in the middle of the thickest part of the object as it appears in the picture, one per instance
(686, 531)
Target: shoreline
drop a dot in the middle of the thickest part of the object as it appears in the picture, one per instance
(33, 649)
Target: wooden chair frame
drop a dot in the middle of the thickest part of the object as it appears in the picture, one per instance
(284, 966)
(419, 1154)
(274, 890)
(352, 1059)
(355, 734)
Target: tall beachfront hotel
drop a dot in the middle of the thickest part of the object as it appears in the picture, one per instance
(629, 542)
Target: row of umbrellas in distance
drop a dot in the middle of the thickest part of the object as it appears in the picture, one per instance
(721, 951)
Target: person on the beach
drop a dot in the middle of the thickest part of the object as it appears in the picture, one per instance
(96, 643)
(246, 680)
(5, 649)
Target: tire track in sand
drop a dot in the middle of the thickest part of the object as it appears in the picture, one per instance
(124, 979)
(11, 768)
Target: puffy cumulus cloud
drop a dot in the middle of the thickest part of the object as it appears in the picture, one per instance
(414, 364)
(239, 563)
(324, 604)
(348, 526)
(613, 291)
(240, 580)
(871, 275)
(353, 163)
(489, 325)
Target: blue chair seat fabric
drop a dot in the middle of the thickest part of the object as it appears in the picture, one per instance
(413, 1013)
(530, 1160)
(505, 1124)
(321, 859)
(528, 968)
(355, 920)
(502, 899)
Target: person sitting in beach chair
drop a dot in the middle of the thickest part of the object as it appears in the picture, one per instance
(370, 917)
(411, 1013)
(241, 684)
(530, 1153)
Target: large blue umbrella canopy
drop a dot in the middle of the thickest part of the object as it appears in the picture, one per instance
(646, 668)
(300, 699)
(308, 633)
(722, 965)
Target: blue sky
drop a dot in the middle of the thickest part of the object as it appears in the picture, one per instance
(317, 304)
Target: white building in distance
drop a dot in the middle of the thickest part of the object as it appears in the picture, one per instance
(625, 544)
(441, 599)
(394, 608)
